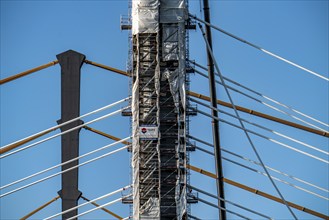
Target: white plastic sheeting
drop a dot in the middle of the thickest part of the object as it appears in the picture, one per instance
(151, 209)
(170, 49)
(174, 50)
(135, 147)
(172, 11)
(145, 16)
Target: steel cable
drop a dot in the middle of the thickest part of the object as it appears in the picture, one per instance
(277, 179)
(264, 174)
(256, 163)
(216, 206)
(264, 103)
(62, 133)
(101, 206)
(61, 164)
(70, 121)
(242, 125)
(267, 138)
(64, 171)
(264, 96)
(89, 202)
(259, 48)
(264, 128)
(227, 201)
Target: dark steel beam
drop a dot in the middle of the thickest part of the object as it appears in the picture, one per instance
(71, 63)
(215, 127)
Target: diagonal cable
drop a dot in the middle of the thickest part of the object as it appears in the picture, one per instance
(24, 140)
(227, 201)
(242, 124)
(104, 209)
(264, 96)
(267, 138)
(89, 202)
(256, 163)
(64, 171)
(99, 207)
(62, 133)
(64, 163)
(264, 128)
(259, 48)
(264, 174)
(266, 104)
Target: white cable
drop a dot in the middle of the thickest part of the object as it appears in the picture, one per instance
(227, 201)
(64, 171)
(259, 48)
(89, 202)
(294, 64)
(265, 97)
(265, 137)
(62, 133)
(216, 206)
(209, 49)
(277, 179)
(70, 121)
(99, 207)
(263, 127)
(61, 164)
(258, 164)
(262, 173)
(266, 104)
(277, 171)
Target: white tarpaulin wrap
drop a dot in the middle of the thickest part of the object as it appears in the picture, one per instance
(174, 49)
(135, 146)
(173, 79)
(145, 16)
(182, 62)
(172, 11)
(170, 47)
(151, 209)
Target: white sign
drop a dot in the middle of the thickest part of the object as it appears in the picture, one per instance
(148, 132)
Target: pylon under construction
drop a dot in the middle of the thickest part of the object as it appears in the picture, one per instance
(159, 108)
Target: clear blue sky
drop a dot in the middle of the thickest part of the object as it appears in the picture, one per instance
(33, 32)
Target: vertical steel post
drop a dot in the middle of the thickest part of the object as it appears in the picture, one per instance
(215, 127)
(71, 63)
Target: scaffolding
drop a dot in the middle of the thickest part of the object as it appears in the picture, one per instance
(159, 110)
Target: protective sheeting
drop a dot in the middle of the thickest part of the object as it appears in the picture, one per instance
(144, 87)
(151, 210)
(170, 43)
(145, 16)
(180, 196)
(182, 63)
(173, 79)
(135, 146)
(172, 11)
(174, 50)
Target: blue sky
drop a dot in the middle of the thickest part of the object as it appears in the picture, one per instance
(34, 32)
